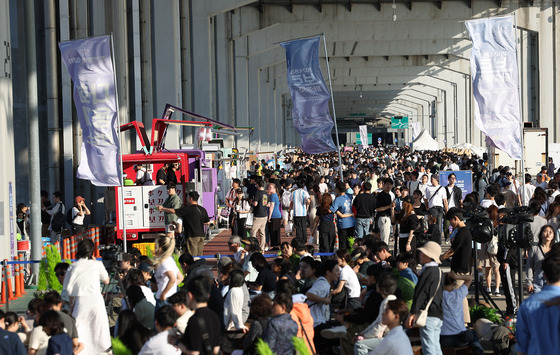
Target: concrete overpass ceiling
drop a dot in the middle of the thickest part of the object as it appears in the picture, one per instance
(365, 46)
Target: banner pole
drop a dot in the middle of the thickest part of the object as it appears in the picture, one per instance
(121, 187)
(333, 109)
(520, 255)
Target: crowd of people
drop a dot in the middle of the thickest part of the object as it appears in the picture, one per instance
(360, 269)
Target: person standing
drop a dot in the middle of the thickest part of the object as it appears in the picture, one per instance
(342, 208)
(260, 213)
(365, 204)
(161, 176)
(195, 218)
(274, 216)
(429, 287)
(385, 208)
(242, 207)
(167, 274)
(88, 308)
(171, 176)
(454, 199)
(172, 202)
(299, 206)
(436, 199)
(460, 250)
(58, 208)
(79, 212)
(230, 201)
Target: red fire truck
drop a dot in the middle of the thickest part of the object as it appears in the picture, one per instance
(137, 209)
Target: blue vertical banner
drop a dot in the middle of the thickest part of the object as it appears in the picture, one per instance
(90, 66)
(495, 82)
(310, 96)
(463, 181)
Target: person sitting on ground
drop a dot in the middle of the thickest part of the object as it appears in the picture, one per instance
(281, 327)
(54, 302)
(235, 302)
(143, 309)
(309, 272)
(348, 282)
(395, 341)
(266, 280)
(453, 331)
(38, 339)
(300, 313)
(283, 271)
(9, 342)
(204, 330)
(406, 264)
(370, 337)
(165, 318)
(179, 303)
(261, 307)
(59, 342)
(130, 332)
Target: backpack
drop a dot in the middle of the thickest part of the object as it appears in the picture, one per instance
(58, 221)
(69, 218)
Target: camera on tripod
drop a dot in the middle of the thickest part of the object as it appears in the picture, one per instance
(478, 222)
(111, 255)
(515, 231)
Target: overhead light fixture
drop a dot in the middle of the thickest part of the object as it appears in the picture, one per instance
(394, 6)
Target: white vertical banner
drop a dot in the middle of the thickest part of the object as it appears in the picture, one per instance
(363, 136)
(496, 83)
(416, 129)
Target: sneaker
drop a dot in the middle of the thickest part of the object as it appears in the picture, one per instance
(488, 291)
(334, 333)
(497, 293)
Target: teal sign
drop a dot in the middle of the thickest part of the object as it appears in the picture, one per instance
(369, 138)
(399, 122)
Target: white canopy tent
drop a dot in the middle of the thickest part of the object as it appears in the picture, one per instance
(476, 150)
(424, 142)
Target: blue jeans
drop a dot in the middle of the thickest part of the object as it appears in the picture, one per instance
(468, 337)
(429, 336)
(362, 227)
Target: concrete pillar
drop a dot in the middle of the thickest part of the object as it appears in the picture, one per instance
(8, 200)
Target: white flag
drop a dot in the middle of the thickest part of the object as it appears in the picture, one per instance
(363, 136)
(496, 83)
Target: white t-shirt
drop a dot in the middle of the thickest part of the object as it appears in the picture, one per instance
(76, 218)
(162, 279)
(438, 196)
(451, 201)
(323, 188)
(453, 322)
(83, 276)
(319, 311)
(526, 192)
(158, 344)
(352, 283)
(39, 340)
(487, 203)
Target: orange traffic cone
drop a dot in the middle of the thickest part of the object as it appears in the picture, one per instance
(3, 300)
(22, 279)
(10, 292)
(17, 286)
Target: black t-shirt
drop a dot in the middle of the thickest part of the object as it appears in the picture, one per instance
(365, 204)
(194, 217)
(267, 279)
(161, 175)
(192, 338)
(384, 199)
(462, 245)
(421, 211)
(412, 223)
(171, 176)
(260, 210)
